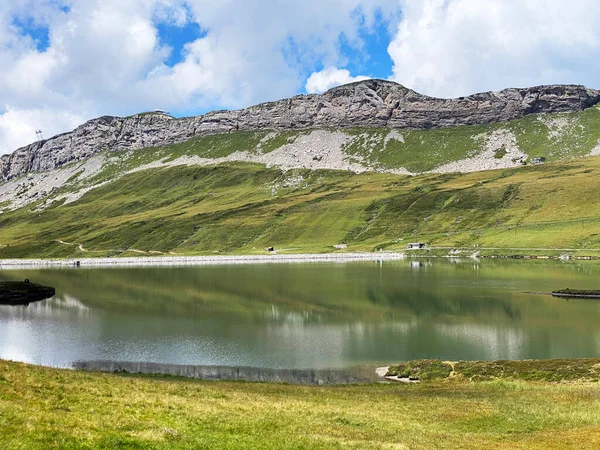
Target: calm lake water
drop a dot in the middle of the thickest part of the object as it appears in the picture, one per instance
(312, 316)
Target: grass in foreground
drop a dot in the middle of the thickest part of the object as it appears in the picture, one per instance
(49, 408)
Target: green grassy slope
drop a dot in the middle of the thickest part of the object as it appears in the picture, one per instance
(43, 408)
(552, 136)
(243, 208)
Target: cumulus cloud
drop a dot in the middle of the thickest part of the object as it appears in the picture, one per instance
(329, 77)
(96, 52)
(258, 50)
(107, 56)
(93, 57)
(20, 126)
(458, 47)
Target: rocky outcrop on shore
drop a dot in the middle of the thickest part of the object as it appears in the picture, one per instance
(371, 103)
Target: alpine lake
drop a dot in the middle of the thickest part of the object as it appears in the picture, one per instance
(305, 315)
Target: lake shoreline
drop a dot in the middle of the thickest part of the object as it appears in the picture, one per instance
(213, 260)
(549, 370)
(351, 375)
(145, 261)
(556, 370)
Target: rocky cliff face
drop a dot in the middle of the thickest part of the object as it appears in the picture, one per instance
(372, 103)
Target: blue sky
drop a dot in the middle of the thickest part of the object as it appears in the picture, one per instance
(176, 37)
(65, 61)
(363, 52)
(371, 58)
(39, 33)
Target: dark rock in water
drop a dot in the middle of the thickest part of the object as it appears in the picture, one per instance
(23, 292)
(576, 293)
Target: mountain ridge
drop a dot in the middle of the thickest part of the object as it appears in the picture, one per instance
(369, 103)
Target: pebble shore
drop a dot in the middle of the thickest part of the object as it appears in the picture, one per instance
(198, 260)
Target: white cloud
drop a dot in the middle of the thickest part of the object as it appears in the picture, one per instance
(106, 56)
(319, 82)
(458, 47)
(20, 126)
(258, 50)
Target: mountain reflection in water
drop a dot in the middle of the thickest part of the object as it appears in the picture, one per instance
(310, 316)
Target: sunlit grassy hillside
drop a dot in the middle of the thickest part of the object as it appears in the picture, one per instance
(243, 208)
(149, 201)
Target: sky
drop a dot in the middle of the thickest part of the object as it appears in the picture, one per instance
(63, 62)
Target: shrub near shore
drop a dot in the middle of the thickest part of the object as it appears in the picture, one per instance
(552, 370)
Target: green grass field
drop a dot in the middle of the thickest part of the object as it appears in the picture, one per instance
(240, 208)
(42, 408)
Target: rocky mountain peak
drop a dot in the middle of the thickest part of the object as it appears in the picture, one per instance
(369, 103)
(380, 88)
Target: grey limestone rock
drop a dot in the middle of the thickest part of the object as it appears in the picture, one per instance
(371, 103)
